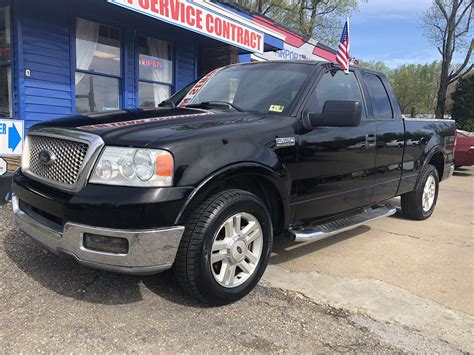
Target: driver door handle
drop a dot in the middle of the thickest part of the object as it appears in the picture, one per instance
(370, 140)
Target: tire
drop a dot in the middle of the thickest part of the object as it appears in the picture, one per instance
(412, 202)
(209, 281)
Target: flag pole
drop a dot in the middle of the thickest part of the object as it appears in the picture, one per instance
(348, 45)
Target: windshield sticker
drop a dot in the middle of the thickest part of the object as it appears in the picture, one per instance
(143, 121)
(199, 85)
(276, 108)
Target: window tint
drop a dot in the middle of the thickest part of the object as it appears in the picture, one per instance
(335, 85)
(263, 87)
(380, 101)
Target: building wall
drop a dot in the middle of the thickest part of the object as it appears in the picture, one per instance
(44, 45)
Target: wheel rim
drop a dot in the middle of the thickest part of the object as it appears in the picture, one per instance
(429, 193)
(236, 250)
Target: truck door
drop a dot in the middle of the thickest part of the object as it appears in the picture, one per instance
(390, 137)
(335, 164)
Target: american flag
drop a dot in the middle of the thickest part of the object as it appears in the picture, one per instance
(343, 56)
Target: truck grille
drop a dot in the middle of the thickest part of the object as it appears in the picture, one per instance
(68, 159)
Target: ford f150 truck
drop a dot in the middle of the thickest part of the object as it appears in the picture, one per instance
(202, 184)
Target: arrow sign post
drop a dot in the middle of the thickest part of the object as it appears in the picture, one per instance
(11, 137)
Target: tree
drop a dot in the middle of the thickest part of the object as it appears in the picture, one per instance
(322, 18)
(463, 108)
(447, 24)
(415, 85)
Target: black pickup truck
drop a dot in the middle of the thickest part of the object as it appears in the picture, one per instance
(202, 184)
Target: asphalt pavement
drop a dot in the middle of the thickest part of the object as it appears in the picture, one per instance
(391, 286)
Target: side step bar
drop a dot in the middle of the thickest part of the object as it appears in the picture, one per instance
(321, 231)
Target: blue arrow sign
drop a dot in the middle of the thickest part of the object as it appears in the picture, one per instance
(14, 137)
(11, 136)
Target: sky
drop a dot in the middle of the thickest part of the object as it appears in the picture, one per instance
(390, 31)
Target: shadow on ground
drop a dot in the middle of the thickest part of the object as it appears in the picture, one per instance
(66, 277)
(462, 172)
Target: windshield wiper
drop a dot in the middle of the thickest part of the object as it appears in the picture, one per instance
(207, 104)
(167, 103)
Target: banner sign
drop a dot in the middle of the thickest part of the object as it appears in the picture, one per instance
(191, 16)
(195, 89)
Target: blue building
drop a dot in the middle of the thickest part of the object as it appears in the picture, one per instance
(62, 57)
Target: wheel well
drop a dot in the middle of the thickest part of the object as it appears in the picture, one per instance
(255, 184)
(437, 160)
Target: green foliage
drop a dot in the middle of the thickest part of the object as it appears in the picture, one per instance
(463, 108)
(416, 85)
(322, 19)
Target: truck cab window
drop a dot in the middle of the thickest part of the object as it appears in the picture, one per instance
(380, 100)
(335, 85)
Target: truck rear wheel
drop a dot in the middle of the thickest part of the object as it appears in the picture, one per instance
(225, 247)
(420, 203)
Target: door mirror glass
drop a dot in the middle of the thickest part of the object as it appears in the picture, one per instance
(335, 113)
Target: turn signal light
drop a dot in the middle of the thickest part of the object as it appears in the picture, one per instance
(164, 165)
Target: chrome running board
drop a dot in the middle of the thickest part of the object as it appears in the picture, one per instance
(314, 232)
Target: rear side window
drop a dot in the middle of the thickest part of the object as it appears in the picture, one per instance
(335, 85)
(380, 101)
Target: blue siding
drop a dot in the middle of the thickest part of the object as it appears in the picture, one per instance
(46, 53)
(43, 43)
(186, 63)
(130, 80)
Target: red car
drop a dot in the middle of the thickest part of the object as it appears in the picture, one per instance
(464, 149)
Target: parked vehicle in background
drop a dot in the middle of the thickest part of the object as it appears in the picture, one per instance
(203, 184)
(464, 149)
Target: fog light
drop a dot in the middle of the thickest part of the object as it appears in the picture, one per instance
(105, 244)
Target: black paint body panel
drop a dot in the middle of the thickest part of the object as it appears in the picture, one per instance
(328, 171)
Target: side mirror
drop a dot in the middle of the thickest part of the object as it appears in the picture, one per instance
(337, 113)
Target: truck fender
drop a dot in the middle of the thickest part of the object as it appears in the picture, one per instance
(239, 169)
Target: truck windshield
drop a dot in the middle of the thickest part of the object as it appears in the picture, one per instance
(263, 87)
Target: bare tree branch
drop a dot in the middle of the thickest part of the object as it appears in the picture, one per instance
(442, 9)
(460, 75)
(469, 7)
(457, 73)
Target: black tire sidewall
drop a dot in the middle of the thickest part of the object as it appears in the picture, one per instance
(207, 285)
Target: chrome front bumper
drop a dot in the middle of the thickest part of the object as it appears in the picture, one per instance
(150, 251)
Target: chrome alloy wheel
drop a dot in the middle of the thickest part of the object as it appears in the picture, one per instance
(236, 250)
(429, 193)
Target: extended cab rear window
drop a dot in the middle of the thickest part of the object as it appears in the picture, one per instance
(380, 100)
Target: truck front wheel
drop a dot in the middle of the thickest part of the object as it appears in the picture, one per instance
(225, 247)
(420, 203)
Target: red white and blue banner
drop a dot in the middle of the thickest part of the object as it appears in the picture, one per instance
(201, 19)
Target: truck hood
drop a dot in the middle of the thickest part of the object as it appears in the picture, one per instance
(142, 128)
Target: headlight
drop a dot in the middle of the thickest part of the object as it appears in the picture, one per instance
(134, 167)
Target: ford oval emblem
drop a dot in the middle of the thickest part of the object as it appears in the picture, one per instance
(46, 157)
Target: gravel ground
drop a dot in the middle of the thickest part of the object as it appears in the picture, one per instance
(51, 304)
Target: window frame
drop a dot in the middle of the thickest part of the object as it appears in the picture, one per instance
(121, 77)
(367, 79)
(8, 64)
(365, 114)
(138, 80)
